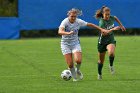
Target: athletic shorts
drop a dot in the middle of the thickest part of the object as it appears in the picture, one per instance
(66, 49)
(103, 47)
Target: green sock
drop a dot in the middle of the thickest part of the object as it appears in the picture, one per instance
(111, 60)
(100, 66)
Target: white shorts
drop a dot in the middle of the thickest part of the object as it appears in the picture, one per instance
(66, 49)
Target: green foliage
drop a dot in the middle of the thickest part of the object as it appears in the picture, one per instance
(34, 66)
(8, 8)
(39, 33)
(82, 32)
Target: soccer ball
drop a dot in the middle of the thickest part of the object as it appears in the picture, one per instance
(66, 75)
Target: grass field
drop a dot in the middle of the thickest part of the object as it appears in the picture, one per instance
(34, 66)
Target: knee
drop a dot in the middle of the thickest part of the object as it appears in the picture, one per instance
(111, 52)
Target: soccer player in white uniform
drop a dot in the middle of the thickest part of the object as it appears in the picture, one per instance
(70, 44)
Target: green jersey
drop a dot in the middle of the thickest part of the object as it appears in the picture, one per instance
(106, 24)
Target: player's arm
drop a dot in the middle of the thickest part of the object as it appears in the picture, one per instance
(119, 22)
(62, 31)
(97, 27)
(113, 29)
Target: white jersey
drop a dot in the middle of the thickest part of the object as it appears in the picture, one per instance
(73, 38)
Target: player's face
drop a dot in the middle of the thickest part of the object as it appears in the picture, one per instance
(106, 15)
(72, 17)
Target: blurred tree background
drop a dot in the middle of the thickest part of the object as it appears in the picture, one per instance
(9, 8)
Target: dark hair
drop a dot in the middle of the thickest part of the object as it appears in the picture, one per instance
(99, 13)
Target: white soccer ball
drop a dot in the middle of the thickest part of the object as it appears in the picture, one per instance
(66, 75)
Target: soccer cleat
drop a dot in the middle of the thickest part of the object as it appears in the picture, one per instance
(74, 80)
(112, 69)
(79, 74)
(99, 77)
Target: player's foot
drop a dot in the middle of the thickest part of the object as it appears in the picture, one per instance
(74, 80)
(79, 74)
(99, 77)
(112, 71)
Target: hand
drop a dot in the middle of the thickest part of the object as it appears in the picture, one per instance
(104, 32)
(122, 28)
(71, 32)
(116, 28)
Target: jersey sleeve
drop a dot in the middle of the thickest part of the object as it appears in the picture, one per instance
(63, 24)
(82, 22)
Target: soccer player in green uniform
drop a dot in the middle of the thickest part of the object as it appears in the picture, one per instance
(106, 42)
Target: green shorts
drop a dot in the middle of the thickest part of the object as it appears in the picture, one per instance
(102, 47)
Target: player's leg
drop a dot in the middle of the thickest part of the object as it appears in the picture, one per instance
(101, 54)
(69, 60)
(100, 64)
(111, 53)
(78, 59)
(66, 50)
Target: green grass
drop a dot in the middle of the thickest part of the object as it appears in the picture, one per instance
(34, 66)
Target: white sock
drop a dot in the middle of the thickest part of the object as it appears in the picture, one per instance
(73, 72)
(78, 67)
